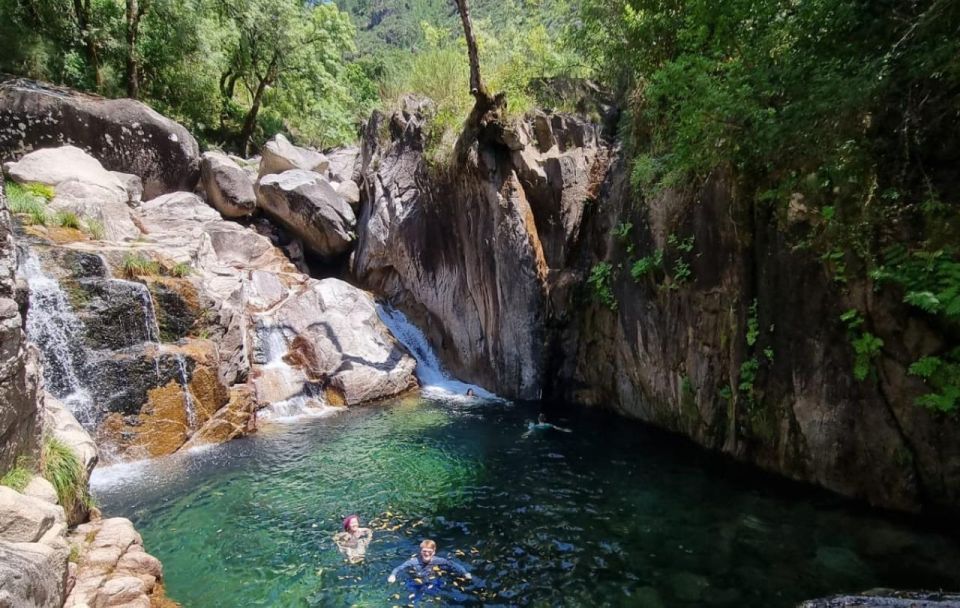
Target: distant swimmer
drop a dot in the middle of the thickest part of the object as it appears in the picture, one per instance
(425, 568)
(542, 425)
(353, 540)
(470, 393)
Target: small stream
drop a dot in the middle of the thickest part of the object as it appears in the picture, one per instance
(612, 514)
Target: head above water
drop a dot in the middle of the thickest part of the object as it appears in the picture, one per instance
(428, 549)
(351, 523)
(541, 418)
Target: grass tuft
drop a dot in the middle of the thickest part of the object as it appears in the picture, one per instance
(41, 190)
(67, 219)
(139, 265)
(22, 201)
(18, 477)
(62, 468)
(180, 269)
(95, 229)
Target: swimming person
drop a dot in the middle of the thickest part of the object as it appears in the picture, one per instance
(542, 425)
(353, 540)
(426, 567)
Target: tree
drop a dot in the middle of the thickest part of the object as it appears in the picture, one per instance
(135, 11)
(287, 45)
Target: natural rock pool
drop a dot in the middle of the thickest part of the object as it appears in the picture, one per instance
(612, 514)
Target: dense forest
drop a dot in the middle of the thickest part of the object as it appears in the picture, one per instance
(846, 109)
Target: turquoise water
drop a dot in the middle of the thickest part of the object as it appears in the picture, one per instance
(613, 514)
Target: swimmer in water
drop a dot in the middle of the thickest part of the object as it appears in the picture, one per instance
(426, 567)
(470, 393)
(542, 425)
(353, 540)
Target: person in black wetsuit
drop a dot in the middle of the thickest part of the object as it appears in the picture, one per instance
(426, 566)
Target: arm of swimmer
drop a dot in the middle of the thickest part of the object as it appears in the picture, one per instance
(407, 564)
(452, 565)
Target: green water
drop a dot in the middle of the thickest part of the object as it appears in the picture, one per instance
(612, 514)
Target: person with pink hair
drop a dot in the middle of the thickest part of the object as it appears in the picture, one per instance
(353, 540)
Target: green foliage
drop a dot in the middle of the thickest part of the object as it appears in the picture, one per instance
(180, 269)
(18, 477)
(753, 324)
(866, 346)
(63, 469)
(601, 281)
(67, 219)
(622, 230)
(748, 377)
(931, 279)
(942, 375)
(203, 61)
(40, 190)
(138, 265)
(647, 265)
(27, 201)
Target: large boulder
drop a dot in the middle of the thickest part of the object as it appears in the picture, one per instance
(279, 155)
(228, 186)
(25, 519)
(339, 345)
(125, 135)
(306, 204)
(32, 575)
(82, 186)
(114, 569)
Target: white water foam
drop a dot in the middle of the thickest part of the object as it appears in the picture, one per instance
(274, 347)
(435, 382)
(56, 330)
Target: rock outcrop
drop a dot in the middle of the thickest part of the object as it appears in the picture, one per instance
(469, 254)
(305, 203)
(82, 186)
(113, 568)
(33, 551)
(123, 134)
(229, 187)
(19, 373)
(166, 356)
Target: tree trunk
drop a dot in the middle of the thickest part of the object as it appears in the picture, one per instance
(135, 11)
(82, 10)
(477, 88)
(485, 117)
(250, 122)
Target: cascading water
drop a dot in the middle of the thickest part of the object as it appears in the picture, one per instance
(434, 380)
(188, 404)
(308, 401)
(151, 326)
(59, 334)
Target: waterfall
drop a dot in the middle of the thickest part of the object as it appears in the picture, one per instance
(59, 334)
(308, 401)
(188, 404)
(151, 326)
(434, 380)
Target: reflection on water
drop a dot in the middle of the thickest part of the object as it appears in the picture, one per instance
(609, 515)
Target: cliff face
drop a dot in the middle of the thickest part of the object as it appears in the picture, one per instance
(19, 376)
(748, 354)
(499, 264)
(459, 253)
